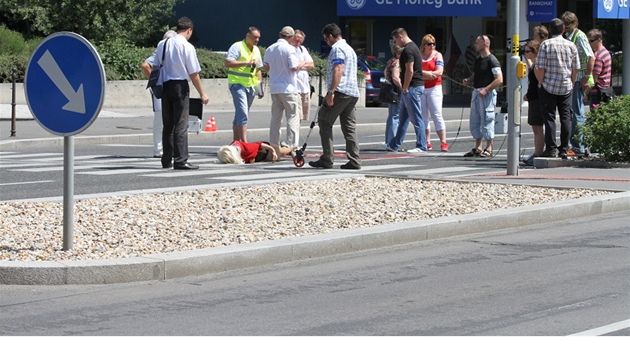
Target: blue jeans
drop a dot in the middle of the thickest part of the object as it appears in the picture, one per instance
(243, 97)
(392, 121)
(482, 112)
(578, 119)
(410, 111)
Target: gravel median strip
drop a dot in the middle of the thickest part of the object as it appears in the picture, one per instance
(138, 225)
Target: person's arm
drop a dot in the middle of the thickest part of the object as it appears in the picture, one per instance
(396, 76)
(408, 76)
(146, 69)
(588, 72)
(498, 80)
(271, 152)
(540, 74)
(336, 79)
(196, 81)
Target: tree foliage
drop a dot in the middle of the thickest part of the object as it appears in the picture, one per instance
(142, 22)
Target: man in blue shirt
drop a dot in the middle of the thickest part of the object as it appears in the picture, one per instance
(340, 100)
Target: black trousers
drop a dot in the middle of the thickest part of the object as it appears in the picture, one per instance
(175, 108)
(548, 105)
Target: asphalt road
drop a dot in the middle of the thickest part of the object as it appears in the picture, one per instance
(554, 279)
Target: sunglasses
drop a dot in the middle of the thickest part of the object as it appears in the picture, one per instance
(593, 40)
(528, 51)
(433, 44)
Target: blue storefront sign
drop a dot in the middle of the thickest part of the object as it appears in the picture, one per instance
(424, 8)
(541, 10)
(612, 9)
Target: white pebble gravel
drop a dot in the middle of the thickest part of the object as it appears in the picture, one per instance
(128, 226)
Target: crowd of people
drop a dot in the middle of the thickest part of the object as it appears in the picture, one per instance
(568, 68)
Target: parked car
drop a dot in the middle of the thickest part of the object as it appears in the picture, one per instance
(373, 68)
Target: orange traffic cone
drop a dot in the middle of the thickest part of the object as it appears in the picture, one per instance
(211, 125)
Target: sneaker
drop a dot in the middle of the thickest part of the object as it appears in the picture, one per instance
(416, 151)
(429, 146)
(444, 147)
(350, 166)
(283, 144)
(563, 155)
(386, 146)
(529, 162)
(529, 159)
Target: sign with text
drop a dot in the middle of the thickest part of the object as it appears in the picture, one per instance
(541, 10)
(447, 8)
(612, 9)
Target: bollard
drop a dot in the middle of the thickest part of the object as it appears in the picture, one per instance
(13, 104)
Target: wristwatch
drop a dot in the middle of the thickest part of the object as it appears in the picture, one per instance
(329, 93)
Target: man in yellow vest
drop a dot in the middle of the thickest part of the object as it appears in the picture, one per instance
(244, 61)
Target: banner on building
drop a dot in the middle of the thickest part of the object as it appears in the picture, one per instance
(611, 9)
(541, 10)
(422, 8)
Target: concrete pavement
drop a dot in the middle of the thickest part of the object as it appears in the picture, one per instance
(133, 125)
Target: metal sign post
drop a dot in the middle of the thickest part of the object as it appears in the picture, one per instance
(65, 87)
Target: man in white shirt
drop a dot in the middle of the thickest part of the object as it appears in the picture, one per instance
(180, 65)
(282, 64)
(304, 84)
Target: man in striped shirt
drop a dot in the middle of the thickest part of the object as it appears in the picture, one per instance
(602, 70)
(556, 66)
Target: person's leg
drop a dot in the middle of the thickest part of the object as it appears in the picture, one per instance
(424, 103)
(157, 133)
(391, 126)
(403, 123)
(275, 123)
(548, 113)
(290, 102)
(305, 99)
(327, 117)
(181, 107)
(487, 128)
(241, 109)
(415, 116)
(434, 101)
(578, 118)
(167, 125)
(564, 111)
(477, 111)
(348, 121)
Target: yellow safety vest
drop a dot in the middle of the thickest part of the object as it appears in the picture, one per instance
(244, 75)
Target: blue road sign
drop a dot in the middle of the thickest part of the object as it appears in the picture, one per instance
(65, 83)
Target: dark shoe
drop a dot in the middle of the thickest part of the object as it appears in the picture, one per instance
(186, 166)
(562, 155)
(167, 166)
(350, 166)
(550, 153)
(318, 164)
(473, 153)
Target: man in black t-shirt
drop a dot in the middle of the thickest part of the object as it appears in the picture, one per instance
(412, 89)
(486, 78)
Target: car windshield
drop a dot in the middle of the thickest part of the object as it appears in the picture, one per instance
(374, 63)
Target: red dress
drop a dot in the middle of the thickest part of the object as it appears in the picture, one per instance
(248, 150)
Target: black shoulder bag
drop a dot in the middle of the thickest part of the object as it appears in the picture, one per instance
(155, 83)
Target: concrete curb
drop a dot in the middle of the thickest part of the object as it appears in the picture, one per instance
(198, 262)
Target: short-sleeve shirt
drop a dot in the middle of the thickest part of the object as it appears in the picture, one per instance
(281, 58)
(342, 53)
(180, 58)
(602, 68)
(248, 150)
(485, 69)
(304, 86)
(411, 53)
(431, 64)
(558, 57)
(585, 51)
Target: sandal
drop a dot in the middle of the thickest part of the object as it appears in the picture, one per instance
(485, 153)
(473, 153)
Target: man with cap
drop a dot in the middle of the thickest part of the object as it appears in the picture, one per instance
(282, 64)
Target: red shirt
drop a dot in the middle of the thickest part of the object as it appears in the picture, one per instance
(248, 150)
(430, 65)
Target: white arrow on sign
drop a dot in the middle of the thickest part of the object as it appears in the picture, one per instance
(76, 99)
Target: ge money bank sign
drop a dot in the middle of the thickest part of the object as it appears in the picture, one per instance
(472, 8)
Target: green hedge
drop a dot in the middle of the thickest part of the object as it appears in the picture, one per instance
(607, 130)
(121, 59)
